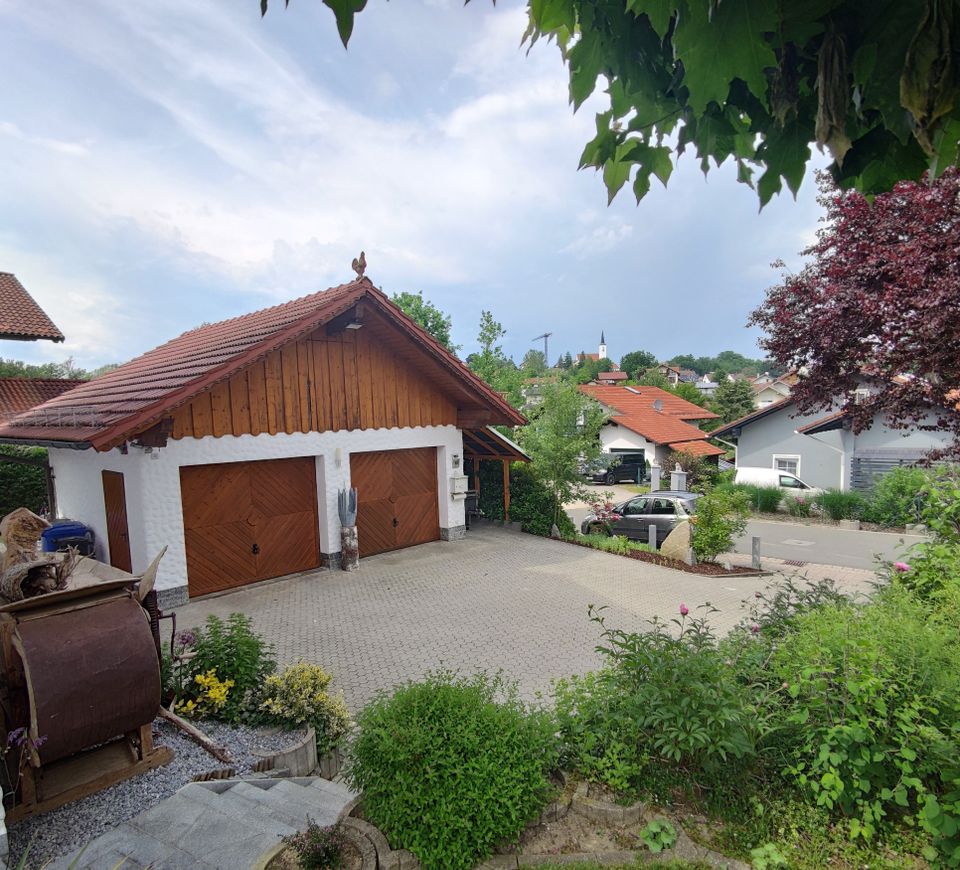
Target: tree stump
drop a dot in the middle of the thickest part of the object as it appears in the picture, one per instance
(349, 548)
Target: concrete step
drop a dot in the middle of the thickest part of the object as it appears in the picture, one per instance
(224, 824)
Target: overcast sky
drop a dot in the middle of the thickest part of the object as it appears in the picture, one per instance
(169, 163)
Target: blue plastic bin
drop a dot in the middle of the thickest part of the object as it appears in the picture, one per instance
(68, 533)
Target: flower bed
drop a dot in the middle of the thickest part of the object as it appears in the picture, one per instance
(709, 569)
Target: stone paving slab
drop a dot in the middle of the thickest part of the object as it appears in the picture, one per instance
(498, 599)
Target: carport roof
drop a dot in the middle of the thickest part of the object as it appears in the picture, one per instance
(488, 443)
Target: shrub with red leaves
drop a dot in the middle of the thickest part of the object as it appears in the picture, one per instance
(881, 299)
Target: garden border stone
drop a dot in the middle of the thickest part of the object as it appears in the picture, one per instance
(605, 811)
(579, 801)
(300, 759)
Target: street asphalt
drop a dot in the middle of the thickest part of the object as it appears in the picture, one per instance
(811, 542)
(825, 545)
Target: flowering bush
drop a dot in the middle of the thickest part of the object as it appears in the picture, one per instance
(604, 514)
(210, 698)
(318, 848)
(298, 696)
(662, 702)
(230, 650)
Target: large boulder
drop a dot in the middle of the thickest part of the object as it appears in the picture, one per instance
(677, 544)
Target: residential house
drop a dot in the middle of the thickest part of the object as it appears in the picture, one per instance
(652, 421)
(229, 444)
(612, 377)
(821, 448)
(768, 389)
(671, 373)
(706, 386)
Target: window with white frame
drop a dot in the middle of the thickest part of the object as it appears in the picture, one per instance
(788, 462)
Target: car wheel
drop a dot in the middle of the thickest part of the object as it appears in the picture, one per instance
(610, 479)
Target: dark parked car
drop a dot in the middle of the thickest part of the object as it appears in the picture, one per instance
(661, 509)
(618, 467)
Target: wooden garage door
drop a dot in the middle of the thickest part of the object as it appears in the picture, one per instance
(248, 521)
(396, 498)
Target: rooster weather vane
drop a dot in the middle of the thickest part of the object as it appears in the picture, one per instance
(360, 265)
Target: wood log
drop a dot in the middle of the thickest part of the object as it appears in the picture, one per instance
(349, 548)
(215, 749)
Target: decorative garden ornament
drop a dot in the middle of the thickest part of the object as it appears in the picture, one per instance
(349, 544)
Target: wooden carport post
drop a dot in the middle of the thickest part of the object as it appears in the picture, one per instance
(506, 490)
(476, 475)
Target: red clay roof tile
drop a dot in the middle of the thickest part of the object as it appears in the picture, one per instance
(106, 409)
(21, 318)
(21, 394)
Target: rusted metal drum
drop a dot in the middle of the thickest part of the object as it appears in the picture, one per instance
(92, 675)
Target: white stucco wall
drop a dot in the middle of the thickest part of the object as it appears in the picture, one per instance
(616, 438)
(152, 481)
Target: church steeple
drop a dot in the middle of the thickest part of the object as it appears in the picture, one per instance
(602, 351)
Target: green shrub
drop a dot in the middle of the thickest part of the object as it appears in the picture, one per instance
(23, 485)
(871, 709)
(702, 474)
(318, 848)
(764, 499)
(931, 568)
(234, 651)
(894, 498)
(661, 702)
(798, 505)
(720, 519)
(450, 766)
(839, 505)
(298, 696)
(531, 503)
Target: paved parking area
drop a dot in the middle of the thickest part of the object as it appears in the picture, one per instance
(498, 600)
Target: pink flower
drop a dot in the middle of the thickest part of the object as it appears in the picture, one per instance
(754, 629)
(902, 567)
(684, 610)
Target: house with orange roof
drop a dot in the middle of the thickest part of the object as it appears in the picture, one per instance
(651, 421)
(230, 443)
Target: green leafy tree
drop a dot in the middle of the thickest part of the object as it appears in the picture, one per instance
(653, 378)
(427, 315)
(493, 365)
(756, 82)
(564, 431)
(637, 362)
(534, 363)
(14, 368)
(732, 400)
(690, 393)
(588, 369)
(565, 361)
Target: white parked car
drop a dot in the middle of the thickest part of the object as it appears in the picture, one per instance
(789, 483)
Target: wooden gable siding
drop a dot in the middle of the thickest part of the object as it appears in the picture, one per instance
(320, 383)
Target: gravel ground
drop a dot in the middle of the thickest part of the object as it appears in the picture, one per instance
(62, 830)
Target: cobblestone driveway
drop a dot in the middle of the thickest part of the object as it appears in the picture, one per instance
(499, 599)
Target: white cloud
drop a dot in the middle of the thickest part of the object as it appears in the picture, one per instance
(599, 240)
(76, 149)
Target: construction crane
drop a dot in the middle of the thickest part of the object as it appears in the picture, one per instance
(545, 336)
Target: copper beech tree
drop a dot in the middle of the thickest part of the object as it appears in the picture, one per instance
(880, 298)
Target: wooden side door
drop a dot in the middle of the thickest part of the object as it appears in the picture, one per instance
(115, 507)
(396, 498)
